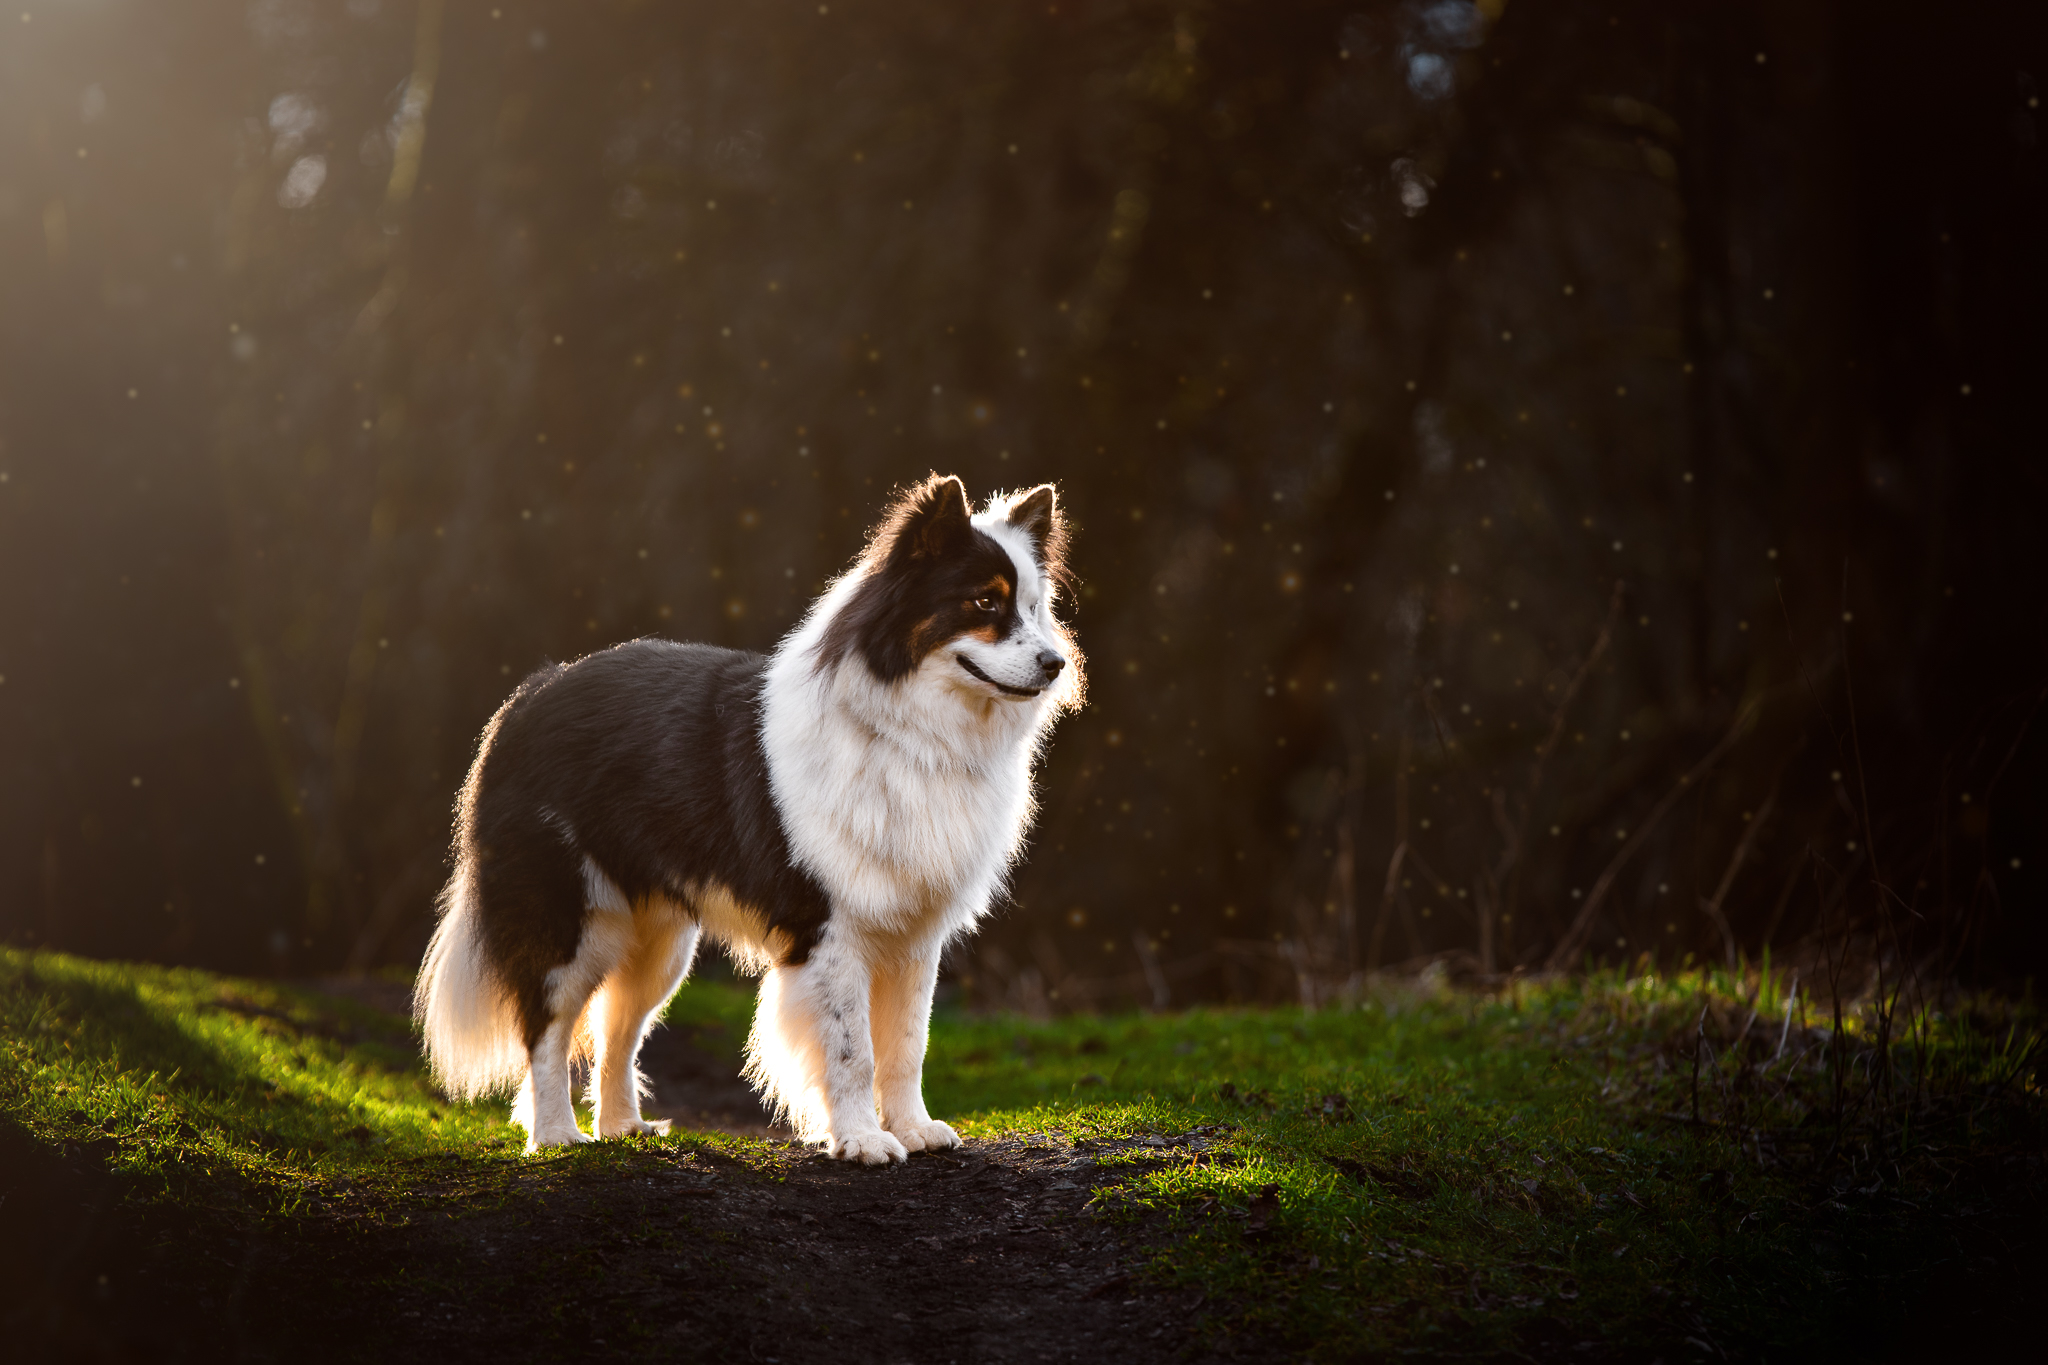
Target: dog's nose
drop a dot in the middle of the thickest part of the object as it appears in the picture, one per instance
(1051, 663)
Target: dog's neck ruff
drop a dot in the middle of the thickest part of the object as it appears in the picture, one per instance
(907, 799)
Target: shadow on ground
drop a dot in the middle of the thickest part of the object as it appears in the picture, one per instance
(985, 1254)
(696, 1079)
(674, 1249)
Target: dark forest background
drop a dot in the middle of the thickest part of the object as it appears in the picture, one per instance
(1555, 480)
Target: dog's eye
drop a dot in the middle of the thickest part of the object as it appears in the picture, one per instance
(986, 604)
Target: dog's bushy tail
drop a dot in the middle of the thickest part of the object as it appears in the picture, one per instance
(471, 1028)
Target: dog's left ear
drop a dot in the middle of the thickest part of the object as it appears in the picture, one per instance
(931, 518)
(1037, 515)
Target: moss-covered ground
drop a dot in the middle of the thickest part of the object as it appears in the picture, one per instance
(1612, 1167)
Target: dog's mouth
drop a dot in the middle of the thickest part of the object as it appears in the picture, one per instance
(968, 664)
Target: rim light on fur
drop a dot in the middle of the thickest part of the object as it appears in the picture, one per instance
(471, 1031)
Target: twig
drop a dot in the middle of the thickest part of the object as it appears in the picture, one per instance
(1699, 1039)
(1834, 967)
(1134, 984)
(1148, 958)
(1755, 1008)
(1835, 990)
(1515, 837)
(1379, 927)
(1713, 907)
(1886, 1001)
(1346, 871)
(1984, 878)
(1401, 835)
(1494, 921)
(1574, 940)
(1296, 955)
(1786, 1031)
(2012, 750)
(1435, 721)
(1439, 883)
(1483, 907)
(1549, 745)
(1784, 899)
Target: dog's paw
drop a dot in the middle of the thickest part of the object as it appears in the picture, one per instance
(552, 1137)
(611, 1128)
(871, 1148)
(926, 1135)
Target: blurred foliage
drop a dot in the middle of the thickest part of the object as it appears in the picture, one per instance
(1410, 368)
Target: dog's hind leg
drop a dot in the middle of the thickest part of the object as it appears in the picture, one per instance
(901, 1007)
(556, 1030)
(543, 1106)
(625, 1008)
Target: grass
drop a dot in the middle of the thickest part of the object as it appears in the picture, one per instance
(224, 1094)
(1431, 1170)
(1458, 1169)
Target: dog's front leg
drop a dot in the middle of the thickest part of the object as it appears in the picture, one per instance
(838, 990)
(902, 1009)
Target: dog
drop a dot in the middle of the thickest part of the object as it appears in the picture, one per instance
(833, 814)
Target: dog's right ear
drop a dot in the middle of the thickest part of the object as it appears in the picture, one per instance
(930, 519)
(1037, 515)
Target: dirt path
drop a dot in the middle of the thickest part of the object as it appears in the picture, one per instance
(985, 1254)
(990, 1253)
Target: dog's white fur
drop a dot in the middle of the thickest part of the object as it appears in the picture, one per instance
(471, 1034)
(907, 801)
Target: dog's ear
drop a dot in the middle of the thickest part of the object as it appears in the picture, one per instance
(931, 518)
(1037, 515)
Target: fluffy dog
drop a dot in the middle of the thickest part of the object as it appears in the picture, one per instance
(832, 814)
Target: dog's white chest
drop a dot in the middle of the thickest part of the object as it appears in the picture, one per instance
(891, 835)
(909, 824)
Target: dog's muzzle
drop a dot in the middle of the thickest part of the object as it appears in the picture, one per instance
(1051, 671)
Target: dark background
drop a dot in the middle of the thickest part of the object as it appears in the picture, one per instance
(358, 355)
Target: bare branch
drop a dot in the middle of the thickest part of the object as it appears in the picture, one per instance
(1574, 940)
(1714, 907)
(1379, 926)
(1549, 745)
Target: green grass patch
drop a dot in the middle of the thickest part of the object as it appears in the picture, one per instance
(224, 1094)
(1443, 1169)
(1427, 1170)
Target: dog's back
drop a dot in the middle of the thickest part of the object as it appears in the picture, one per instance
(633, 775)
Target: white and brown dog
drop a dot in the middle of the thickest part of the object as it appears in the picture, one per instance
(832, 814)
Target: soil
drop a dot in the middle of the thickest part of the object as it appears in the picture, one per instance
(985, 1254)
(982, 1254)
(988, 1253)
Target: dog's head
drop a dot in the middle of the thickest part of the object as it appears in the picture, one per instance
(966, 595)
